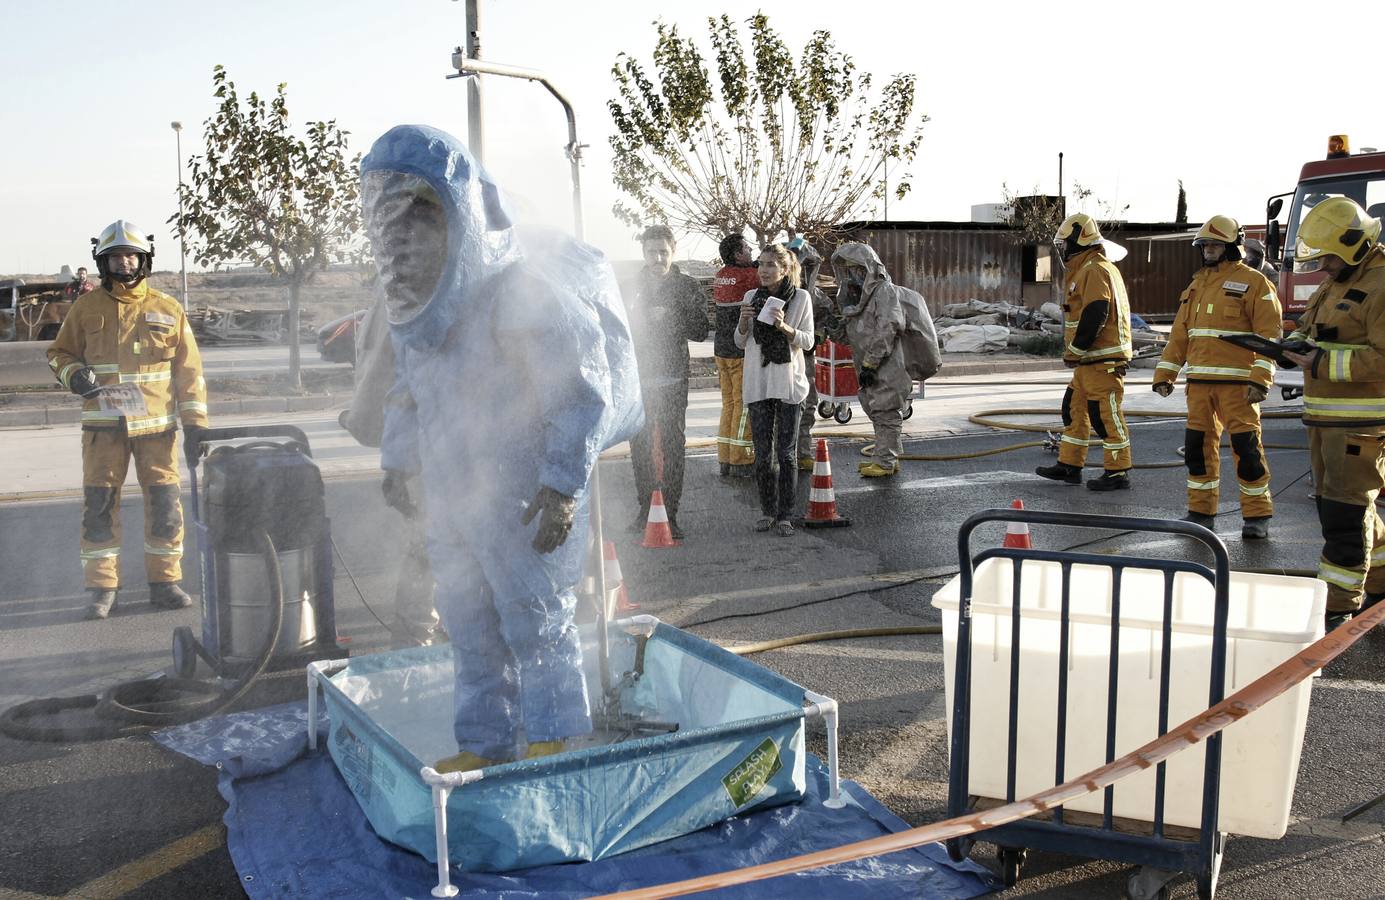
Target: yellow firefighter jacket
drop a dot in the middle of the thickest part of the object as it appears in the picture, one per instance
(1096, 313)
(133, 336)
(1229, 298)
(1346, 320)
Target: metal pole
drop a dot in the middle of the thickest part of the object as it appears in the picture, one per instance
(1060, 179)
(887, 189)
(468, 65)
(182, 239)
(473, 87)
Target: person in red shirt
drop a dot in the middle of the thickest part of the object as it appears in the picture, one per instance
(735, 450)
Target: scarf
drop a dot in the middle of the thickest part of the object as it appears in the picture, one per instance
(774, 344)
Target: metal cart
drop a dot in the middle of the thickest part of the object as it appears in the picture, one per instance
(1151, 844)
(834, 376)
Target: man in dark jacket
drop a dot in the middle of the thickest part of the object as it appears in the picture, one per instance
(739, 276)
(669, 310)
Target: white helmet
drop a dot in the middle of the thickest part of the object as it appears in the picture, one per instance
(123, 235)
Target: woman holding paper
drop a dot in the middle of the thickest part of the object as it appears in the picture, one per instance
(776, 326)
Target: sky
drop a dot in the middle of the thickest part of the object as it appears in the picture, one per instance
(1135, 95)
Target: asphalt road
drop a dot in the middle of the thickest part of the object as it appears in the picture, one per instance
(77, 815)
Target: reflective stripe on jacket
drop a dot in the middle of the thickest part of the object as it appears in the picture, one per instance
(1229, 298)
(133, 336)
(1346, 320)
(1092, 278)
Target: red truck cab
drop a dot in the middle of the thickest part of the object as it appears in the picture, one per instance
(1359, 176)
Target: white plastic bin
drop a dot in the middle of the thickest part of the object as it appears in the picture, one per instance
(1272, 617)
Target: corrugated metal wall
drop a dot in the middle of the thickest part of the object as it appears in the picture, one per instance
(957, 265)
(950, 266)
(1156, 272)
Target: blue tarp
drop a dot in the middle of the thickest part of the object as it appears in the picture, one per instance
(295, 830)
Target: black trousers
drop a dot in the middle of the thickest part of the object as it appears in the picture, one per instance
(665, 411)
(774, 429)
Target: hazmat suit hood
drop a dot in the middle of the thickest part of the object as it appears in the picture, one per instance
(481, 240)
(862, 257)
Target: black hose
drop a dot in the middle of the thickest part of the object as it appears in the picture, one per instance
(134, 707)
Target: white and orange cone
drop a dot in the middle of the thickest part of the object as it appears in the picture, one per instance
(1017, 533)
(614, 578)
(657, 534)
(822, 502)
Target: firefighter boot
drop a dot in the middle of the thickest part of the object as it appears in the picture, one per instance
(465, 761)
(1111, 481)
(539, 749)
(1206, 521)
(1061, 472)
(1257, 529)
(102, 602)
(168, 595)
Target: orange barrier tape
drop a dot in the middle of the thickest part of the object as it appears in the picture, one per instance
(1203, 725)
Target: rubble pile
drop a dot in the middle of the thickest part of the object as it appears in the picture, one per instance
(978, 326)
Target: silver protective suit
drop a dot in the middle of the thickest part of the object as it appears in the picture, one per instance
(511, 376)
(875, 325)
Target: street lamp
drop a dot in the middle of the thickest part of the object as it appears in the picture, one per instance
(182, 241)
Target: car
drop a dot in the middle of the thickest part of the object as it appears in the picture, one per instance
(336, 341)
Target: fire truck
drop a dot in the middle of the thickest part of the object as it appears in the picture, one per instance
(1360, 176)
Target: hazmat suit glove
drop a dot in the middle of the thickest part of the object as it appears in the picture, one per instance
(396, 491)
(192, 444)
(83, 382)
(1162, 388)
(1256, 393)
(867, 378)
(555, 523)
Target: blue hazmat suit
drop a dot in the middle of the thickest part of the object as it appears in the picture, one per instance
(512, 376)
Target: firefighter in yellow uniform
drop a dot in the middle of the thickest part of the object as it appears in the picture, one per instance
(1343, 366)
(128, 350)
(1097, 347)
(1225, 383)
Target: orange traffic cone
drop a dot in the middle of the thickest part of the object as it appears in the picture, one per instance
(822, 502)
(1017, 533)
(657, 534)
(614, 578)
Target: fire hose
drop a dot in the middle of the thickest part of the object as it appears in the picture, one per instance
(133, 707)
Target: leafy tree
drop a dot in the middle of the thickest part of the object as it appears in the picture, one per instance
(1180, 215)
(259, 193)
(758, 141)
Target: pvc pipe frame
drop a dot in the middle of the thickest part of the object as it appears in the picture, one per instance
(817, 706)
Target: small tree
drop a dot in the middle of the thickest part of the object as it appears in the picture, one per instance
(1035, 218)
(766, 144)
(1180, 215)
(261, 194)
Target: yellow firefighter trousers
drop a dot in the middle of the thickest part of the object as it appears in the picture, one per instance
(1348, 473)
(1092, 402)
(734, 446)
(105, 462)
(1210, 408)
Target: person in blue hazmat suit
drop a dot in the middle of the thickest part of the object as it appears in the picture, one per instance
(514, 369)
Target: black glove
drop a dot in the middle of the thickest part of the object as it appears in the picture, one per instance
(192, 444)
(867, 378)
(83, 382)
(1256, 394)
(558, 512)
(396, 491)
(1163, 388)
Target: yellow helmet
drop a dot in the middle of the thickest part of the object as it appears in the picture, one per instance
(1223, 229)
(1082, 228)
(1338, 227)
(122, 234)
